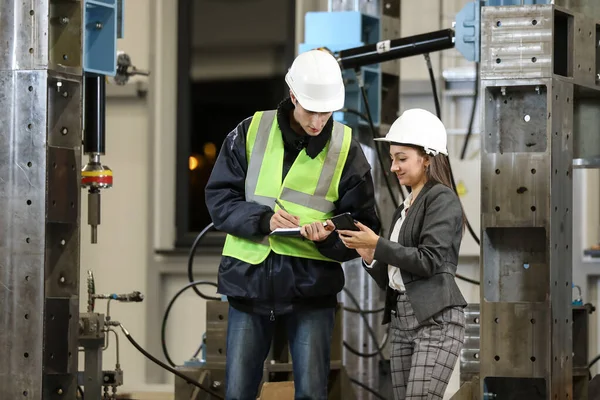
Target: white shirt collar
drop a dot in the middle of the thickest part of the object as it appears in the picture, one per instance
(407, 201)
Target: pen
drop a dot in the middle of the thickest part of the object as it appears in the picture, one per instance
(280, 205)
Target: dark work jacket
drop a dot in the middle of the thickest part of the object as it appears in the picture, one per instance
(426, 253)
(282, 284)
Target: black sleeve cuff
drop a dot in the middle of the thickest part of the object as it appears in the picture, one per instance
(265, 222)
(329, 242)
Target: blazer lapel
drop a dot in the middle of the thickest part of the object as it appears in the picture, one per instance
(409, 218)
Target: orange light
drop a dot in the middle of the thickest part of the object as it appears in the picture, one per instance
(193, 163)
(210, 150)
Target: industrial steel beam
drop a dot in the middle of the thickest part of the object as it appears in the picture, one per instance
(40, 160)
(540, 102)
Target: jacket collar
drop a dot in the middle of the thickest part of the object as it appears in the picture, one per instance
(416, 203)
(294, 142)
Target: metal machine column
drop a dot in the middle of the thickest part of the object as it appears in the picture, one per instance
(40, 147)
(538, 79)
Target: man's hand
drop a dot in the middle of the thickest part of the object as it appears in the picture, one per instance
(282, 219)
(316, 231)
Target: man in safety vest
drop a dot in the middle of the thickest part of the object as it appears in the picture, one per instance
(288, 168)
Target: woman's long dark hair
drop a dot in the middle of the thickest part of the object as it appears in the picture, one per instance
(439, 171)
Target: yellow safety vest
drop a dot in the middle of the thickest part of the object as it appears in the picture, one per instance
(309, 190)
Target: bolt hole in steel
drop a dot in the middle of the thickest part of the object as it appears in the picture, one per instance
(526, 118)
(27, 240)
(28, 202)
(533, 59)
(31, 12)
(526, 266)
(497, 208)
(532, 321)
(534, 22)
(533, 171)
(533, 208)
(476, 320)
(29, 126)
(498, 23)
(26, 316)
(27, 277)
(497, 358)
(532, 359)
(498, 61)
(26, 355)
(497, 172)
(62, 242)
(25, 393)
(476, 356)
(30, 88)
(30, 50)
(29, 164)
(496, 320)
(62, 279)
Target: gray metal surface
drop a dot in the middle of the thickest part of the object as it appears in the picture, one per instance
(539, 93)
(39, 194)
(469, 354)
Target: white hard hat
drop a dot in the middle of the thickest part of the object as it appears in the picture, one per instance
(419, 128)
(315, 78)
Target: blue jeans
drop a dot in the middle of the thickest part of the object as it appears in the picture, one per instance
(249, 340)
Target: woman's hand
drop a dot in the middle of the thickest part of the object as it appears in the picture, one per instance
(316, 231)
(367, 255)
(362, 240)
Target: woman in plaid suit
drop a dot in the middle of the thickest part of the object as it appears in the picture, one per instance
(417, 264)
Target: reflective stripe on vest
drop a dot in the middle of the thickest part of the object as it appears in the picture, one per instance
(318, 200)
(308, 191)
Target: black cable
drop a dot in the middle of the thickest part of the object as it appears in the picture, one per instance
(374, 133)
(594, 361)
(80, 392)
(191, 261)
(172, 370)
(367, 355)
(199, 350)
(163, 328)
(364, 317)
(368, 389)
(438, 112)
(375, 144)
(436, 99)
(355, 311)
(473, 112)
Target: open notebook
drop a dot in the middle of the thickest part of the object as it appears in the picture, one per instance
(286, 232)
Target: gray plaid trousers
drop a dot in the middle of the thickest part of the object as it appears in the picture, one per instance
(423, 355)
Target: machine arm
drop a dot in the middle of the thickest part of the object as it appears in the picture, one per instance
(394, 49)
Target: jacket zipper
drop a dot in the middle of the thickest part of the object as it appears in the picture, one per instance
(272, 289)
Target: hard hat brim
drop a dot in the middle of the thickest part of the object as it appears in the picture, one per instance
(384, 139)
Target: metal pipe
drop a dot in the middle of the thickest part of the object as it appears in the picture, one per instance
(94, 139)
(394, 49)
